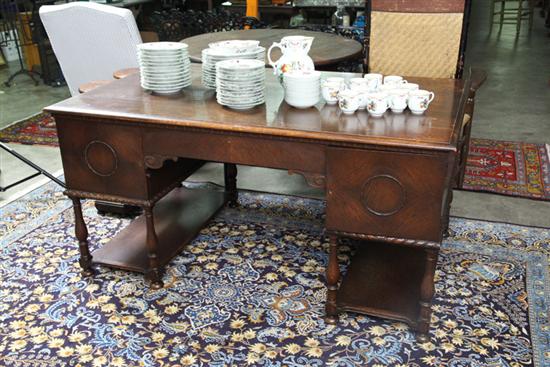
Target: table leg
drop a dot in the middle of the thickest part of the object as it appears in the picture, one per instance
(154, 273)
(333, 276)
(82, 235)
(426, 293)
(230, 176)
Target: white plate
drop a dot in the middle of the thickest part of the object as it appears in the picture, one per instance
(162, 46)
(239, 64)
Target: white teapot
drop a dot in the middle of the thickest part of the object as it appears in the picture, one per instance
(295, 55)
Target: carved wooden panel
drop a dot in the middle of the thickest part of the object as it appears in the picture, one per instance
(388, 194)
(102, 158)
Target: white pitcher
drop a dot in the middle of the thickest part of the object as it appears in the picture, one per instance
(295, 55)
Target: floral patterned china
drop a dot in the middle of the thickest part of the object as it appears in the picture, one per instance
(295, 55)
(419, 101)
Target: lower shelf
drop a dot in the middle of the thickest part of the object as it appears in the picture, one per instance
(178, 218)
(384, 280)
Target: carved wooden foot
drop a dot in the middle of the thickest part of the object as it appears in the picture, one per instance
(426, 293)
(333, 276)
(81, 232)
(230, 176)
(154, 274)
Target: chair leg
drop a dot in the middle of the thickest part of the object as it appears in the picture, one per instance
(502, 9)
(531, 13)
(519, 17)
(492, 16)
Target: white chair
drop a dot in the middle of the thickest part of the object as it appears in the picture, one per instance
(91, 41)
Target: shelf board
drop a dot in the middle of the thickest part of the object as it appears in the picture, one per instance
(178, 218)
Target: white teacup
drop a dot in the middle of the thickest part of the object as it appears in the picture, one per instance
(374, 81)
(360, 83)
(377, 103)
(410, 86)
(398, 99)
(361, 89)
(330, 90)
(348, 101)
(334, 80)
(394, 80)
(419, 100)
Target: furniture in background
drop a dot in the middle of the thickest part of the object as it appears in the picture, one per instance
(175, 25)
(511, 12)
(91, 40)
(327, 51)
(110, 150)
(15, 29)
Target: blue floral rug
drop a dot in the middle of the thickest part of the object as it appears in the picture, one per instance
(249, 291)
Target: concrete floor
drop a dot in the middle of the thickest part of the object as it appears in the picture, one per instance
(512, 105)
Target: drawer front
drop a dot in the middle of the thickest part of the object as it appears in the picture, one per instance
(102, 158)
(383, 193)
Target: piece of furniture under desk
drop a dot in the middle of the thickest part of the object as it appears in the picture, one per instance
(386, 179)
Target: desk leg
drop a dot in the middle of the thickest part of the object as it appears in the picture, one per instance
(333, 276)
(154, 273)
(426, 293)
(82, 235)
(230, 176)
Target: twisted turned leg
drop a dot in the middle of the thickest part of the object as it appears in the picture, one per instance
(230, 176)
(82, 235)
(426, 293)
(154, 273)
(333, 276)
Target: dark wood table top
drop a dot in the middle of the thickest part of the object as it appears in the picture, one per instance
(327, 49)
(196, 107)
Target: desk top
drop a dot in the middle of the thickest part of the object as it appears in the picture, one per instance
(327, 48)
(196, 107)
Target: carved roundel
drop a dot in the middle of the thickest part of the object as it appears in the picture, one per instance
(101, 158)
(383, 195)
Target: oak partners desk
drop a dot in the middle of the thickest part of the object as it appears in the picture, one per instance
(387, 180)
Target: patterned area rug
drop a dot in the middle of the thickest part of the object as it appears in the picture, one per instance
(249, 291)
(37, 129)
(509, 168)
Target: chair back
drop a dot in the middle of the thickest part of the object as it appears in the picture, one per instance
(421, 38)
(91, 41)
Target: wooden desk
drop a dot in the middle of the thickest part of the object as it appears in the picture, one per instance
(387, 179)
(327, 49)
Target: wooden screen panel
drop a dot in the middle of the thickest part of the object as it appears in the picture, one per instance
(419, 6)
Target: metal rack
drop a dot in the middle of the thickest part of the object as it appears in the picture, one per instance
(16, 29)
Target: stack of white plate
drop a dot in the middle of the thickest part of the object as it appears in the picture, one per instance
(302, 88)
(226, 50)
(240, 83)
(164, 66)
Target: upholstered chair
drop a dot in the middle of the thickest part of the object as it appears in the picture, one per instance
(90, 40)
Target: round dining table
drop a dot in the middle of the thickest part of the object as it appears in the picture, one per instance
(327, 49)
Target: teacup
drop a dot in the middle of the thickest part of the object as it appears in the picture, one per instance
(330, 91)
(394, 80)
(419, 100)
(410, 86)
(377, 103)
(334, 80)
(398, 99)
(374, 81)
(361, 89)
(358, 83)
(348, 101)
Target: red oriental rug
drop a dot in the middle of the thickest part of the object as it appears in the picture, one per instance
(509, 168)
(37, 129)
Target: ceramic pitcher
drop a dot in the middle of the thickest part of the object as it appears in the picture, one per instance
(295, 55)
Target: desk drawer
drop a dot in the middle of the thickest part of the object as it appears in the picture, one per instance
(390, 194)
(102, 158)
